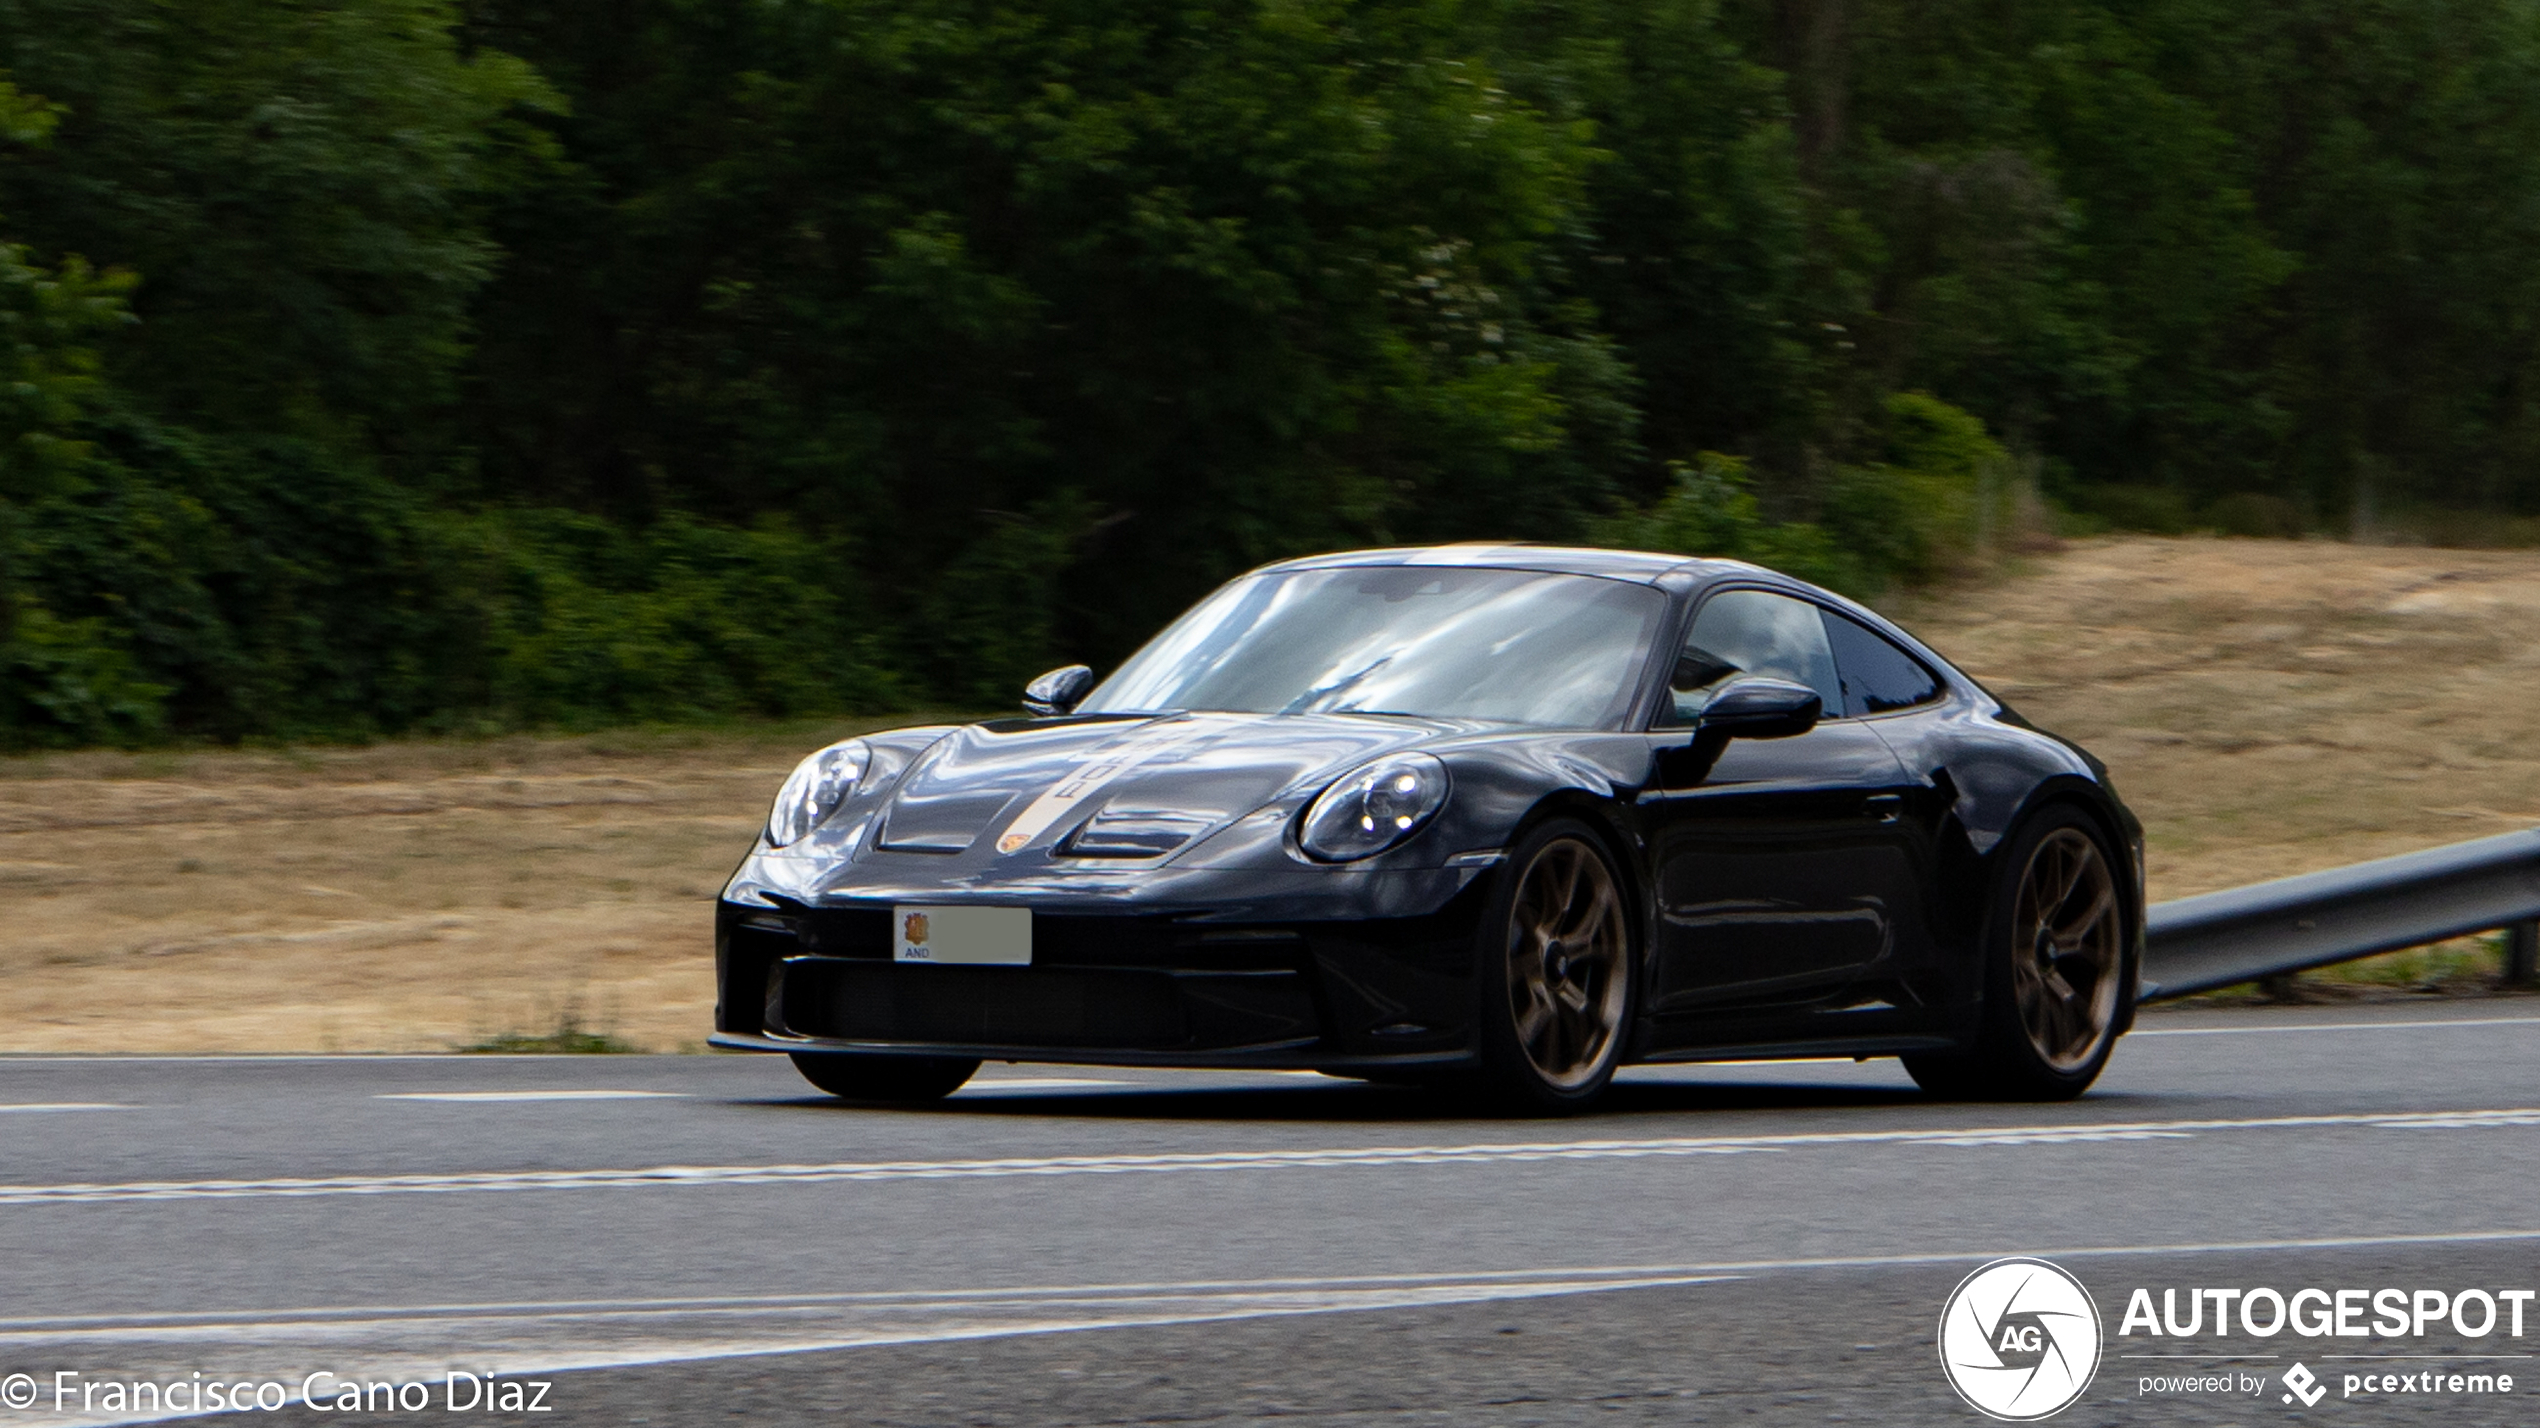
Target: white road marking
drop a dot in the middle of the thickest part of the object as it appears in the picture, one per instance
(1338, 1157)
(2439, 1121)
(47, 1107)
(1037, 1083)
(421, 1342)
(2076, 1136)
(2445, 1022)
(532, 1096)
(1711, 1270)
(408, 1346)
(1487, 1282)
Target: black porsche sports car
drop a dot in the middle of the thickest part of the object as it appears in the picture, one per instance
(1503, 816)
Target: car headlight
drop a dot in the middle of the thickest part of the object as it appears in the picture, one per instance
(1374, 807)
(814, 790)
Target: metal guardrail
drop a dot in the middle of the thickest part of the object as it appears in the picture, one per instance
(2294, 924)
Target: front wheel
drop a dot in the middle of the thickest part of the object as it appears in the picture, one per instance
(857, 1076)
(2055, 983)
(1555, 973)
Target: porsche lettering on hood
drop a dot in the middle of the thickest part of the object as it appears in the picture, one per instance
(1094, 773)
(1123, 788)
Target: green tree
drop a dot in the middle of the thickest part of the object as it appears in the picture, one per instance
(1228, 280)
(60, 679)
(295, 188)
(2395, 150)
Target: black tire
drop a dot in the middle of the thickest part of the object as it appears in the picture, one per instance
(1553, 1018)
(857, 1076)
(2049, 1012)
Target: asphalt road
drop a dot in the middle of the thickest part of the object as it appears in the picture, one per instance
(691, 1239)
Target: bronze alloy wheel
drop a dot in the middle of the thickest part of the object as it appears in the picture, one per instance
(2067, 949)
(1568, 960)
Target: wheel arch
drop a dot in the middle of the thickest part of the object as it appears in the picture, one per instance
(1627, 850)
(2116, 830)
(1623, 845)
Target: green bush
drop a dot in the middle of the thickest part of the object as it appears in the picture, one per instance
(2153, 510)
(1941, 504)
(73, 682)
(1936, 507)
(576, 620)
(2249, 513)
(1711, 511)
(2453, 526)
(171, 585)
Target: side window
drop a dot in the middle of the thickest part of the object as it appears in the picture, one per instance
(1751, 632)
(1877, 676)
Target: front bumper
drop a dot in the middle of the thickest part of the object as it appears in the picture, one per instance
(1184, 987)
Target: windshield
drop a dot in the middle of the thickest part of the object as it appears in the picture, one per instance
(1510, 646)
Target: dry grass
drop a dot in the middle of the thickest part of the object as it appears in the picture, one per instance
(2274, 707)
(417, 896)
(2269, 707)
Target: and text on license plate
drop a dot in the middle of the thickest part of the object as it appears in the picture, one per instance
(975, 936)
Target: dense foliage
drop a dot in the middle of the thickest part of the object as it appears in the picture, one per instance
(381, 364)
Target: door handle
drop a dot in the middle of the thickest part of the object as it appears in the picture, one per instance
(1885, 807)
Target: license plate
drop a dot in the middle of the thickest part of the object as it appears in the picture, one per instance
(970, 936)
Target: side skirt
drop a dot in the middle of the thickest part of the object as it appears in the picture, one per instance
(1859, 1048)
(1294, 1056)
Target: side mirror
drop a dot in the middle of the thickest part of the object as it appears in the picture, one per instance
(1758, 708)
(1058, 691)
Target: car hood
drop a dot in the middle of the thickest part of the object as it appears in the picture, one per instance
(1115, 787)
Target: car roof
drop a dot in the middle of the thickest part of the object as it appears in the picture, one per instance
(1642, 566)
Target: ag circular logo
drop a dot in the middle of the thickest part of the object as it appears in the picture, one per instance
(2019, 1340)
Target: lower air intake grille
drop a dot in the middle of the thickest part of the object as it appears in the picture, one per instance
(983, 1006)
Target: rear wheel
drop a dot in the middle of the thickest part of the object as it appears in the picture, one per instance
(1555, 973)
(858, 1076)
(2055, 979)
